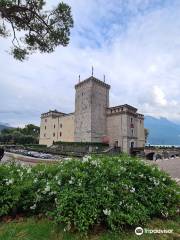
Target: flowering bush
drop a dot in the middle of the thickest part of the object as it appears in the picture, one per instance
(113, 190)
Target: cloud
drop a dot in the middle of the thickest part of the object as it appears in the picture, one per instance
(136, 43)
(159, 97)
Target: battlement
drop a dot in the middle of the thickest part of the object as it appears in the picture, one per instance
(93, 79)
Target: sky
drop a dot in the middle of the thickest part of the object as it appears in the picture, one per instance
(135, 43)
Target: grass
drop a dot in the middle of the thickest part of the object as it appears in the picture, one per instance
(44, 229)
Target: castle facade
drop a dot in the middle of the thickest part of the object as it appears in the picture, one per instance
(94, 120)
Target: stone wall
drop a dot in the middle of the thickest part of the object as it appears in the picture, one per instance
(91, 101)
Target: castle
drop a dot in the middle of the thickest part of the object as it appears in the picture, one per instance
(94, 120)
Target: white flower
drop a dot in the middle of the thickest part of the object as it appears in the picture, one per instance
(94, 162)
(71, 180)
(33, 207)
(123, 169)
(86, 158)
(35, 180)
(165, 214)
(21, 174)
(29, 170)
(9, 181)
(132, 190)
(52, 193)
(107, 212)
(47, 188)
(156, 183)
(59, 182)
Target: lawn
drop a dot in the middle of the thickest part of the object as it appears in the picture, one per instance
(44, 229)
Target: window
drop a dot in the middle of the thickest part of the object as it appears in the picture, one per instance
(132, 132)
(61, 125)
(45, 127)
(45, 120)
(54, 126)
(54, 134)
(60, 134)
(116, 144)
(132, 145)
(131, 120)
(140, 121)
(44, 135)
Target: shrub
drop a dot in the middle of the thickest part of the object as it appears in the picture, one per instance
(96, 144)
(110, 190)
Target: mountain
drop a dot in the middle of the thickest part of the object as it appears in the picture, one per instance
(3, 126)
(162, 131)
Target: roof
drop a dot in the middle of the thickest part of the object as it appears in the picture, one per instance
(54, 111)
(92, 78)
(124, 105)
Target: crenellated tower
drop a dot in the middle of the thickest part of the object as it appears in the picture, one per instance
(91, 102)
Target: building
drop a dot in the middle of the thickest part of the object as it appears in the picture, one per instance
(94, 120)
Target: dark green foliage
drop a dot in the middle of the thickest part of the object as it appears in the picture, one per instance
(113, 191)
(27, 135)
(43, 30)
(98, 144)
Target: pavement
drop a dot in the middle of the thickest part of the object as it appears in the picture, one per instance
(25, 159)
(171, 166)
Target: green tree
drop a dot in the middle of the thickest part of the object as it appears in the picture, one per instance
(42, 30)
(27, 135)
(31, 129)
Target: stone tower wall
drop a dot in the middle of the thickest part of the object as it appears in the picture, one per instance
(83, 113)
(91, 101)
(100, 101)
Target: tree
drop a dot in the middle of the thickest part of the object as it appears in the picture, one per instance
(31, 129)
(146, 133)
(42, 30)
(27, 135)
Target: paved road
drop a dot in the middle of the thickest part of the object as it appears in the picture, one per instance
(7, 158)
(171, 166)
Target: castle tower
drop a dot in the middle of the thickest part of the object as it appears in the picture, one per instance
(91, 102)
